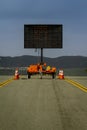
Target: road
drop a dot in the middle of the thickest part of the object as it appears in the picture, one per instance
(43, 104)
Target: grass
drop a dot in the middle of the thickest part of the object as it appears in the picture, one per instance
(67, 72)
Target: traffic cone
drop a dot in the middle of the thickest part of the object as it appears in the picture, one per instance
(61, 74)
(16, 74)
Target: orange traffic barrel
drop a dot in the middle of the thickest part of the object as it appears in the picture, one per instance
(61, 74)
(16, 74)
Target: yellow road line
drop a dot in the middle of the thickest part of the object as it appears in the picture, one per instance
(83, 88)
(6, 82)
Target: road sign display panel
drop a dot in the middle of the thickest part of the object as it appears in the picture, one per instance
(42, 36)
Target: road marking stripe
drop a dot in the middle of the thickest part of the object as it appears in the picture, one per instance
(6, 82)
(83, 88)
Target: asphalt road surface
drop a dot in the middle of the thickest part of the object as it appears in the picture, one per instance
(43, 104)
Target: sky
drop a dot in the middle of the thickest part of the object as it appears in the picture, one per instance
(71, 14)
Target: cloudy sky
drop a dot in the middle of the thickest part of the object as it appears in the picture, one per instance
(15, 13)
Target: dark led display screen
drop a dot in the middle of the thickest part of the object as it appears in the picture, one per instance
(42, 36)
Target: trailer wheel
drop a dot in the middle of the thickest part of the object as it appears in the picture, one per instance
(29, 76)
(53, 75)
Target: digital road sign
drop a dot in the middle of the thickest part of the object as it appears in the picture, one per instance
(43, 36)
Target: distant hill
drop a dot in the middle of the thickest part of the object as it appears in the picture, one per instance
(59, 62)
